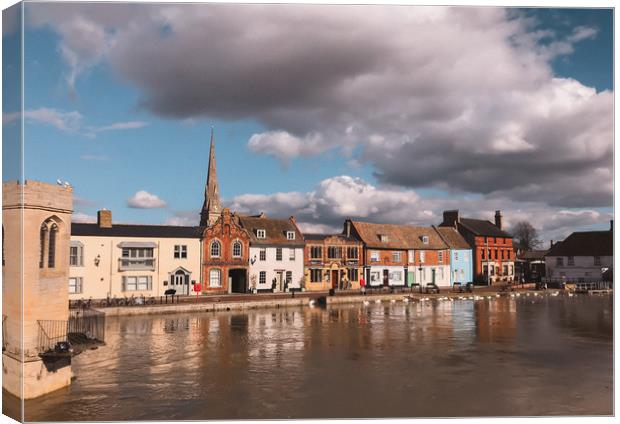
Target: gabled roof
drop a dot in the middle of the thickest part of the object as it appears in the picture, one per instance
(398, 236)
(482, 227)
(586, 243)
(275, 230)
(452, 238)
(533, 254)
(130, 230)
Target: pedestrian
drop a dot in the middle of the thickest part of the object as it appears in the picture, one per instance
(362, 285)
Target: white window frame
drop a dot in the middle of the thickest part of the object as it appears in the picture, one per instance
(180, 251)
(291, 254)
(374, 256)
(422, 256)
(425, 239)
(290, 235)
(384, 238)
(396, 257)
(79, 256)
(131, 283)
(261, 234)
(262, 278)
(440, 256)
(235, 244)
(278, 253)
(215, 278)
(262, 255)
(219, 249)
(78, 285)
(410, 256)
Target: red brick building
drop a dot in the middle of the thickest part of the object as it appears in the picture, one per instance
(225, 256)
(494, 255)
(330, 259)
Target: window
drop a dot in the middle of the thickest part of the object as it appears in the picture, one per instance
(75, 285)
(505, 269)
(261, 234)
(262, 255)
(559, 261)
(290, 235)
(492, 270)
(76, 254)
(236, 249)
(571, 261)
(334, 252)
(511, 269)
(422, 256)
(352, 274)
(374, 256)
(278, 254)
(316, 252)
(262, 277)
(410, 256)
(440, 256)
(137, 258)
(440, 273)
(375, 277)
(215, 278)
(42, 238)
(216, 249)
(384, 238)
(352, 253)
(315, 275)
(291, 254)
(425, 239)
(395, 256)
(597, 260)
(496, 255)
(395, 276)
(51, 248)
(180, 251)
(483, 253)
(289, 277)
(456, 255)
(136, 283)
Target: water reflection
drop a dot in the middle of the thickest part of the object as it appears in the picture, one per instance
(489, 357)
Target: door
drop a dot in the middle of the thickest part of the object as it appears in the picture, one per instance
(279, 281)
(433, 272)
(180, 282)
(335, 279)
(386, 277)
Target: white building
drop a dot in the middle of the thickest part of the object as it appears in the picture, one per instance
(582, 257)
(122, 260)
(276, 253)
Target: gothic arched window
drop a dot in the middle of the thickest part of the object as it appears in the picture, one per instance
(216, 249)
(236, 249)
(42, 239)
(51, 248)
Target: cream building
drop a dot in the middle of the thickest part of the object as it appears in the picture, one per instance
(120, 260)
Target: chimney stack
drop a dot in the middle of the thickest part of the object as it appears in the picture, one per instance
(550, 244)
(451, 218)
(104, 218)
(347, 224)
(498, 219)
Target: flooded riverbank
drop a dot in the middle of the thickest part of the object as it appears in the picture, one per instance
(544, 355)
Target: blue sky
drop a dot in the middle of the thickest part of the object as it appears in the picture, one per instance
(110, 141)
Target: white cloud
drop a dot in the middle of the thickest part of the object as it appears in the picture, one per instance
(80, 217)
(145, 200)
(285, 146)
(94, 157)
(121, 126)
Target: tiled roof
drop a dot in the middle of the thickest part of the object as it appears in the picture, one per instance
(275, 230)
(321, 237)
(130, 230)
(533, 254)
(452, 238)
(587, 243)
(398, 236)
(482, 227)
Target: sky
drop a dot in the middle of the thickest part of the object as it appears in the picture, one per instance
(378, 113)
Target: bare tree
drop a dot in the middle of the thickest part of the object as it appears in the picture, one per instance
(526, 236)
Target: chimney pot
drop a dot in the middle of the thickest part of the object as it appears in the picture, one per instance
(451, 218)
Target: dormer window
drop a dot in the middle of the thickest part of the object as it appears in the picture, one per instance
(290, 235)
(384, 238)
(261, 234)
(425, 239)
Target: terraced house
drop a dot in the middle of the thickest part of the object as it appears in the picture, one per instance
(332, 261)
(494, 255)
(276, 261)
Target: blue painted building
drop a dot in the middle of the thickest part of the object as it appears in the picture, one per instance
(461, 259)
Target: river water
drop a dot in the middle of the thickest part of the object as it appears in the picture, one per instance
(526, 356)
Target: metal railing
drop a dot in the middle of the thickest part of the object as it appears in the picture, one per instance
(129, 264)
(83, 325)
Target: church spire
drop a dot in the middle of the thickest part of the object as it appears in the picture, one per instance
(211, 208)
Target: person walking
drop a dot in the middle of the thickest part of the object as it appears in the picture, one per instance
(362, 285)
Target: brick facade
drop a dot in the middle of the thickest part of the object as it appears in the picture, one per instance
(324, 271)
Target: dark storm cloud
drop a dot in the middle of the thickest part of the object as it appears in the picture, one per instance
(458, 98)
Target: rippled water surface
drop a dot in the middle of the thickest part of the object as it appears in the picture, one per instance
(500, 357)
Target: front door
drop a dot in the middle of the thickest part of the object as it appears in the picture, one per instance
(433, 275)
(386, 277)
(335, 279)
(280, 281)
(180, 282)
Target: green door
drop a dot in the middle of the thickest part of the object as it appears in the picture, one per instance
(410, 278)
